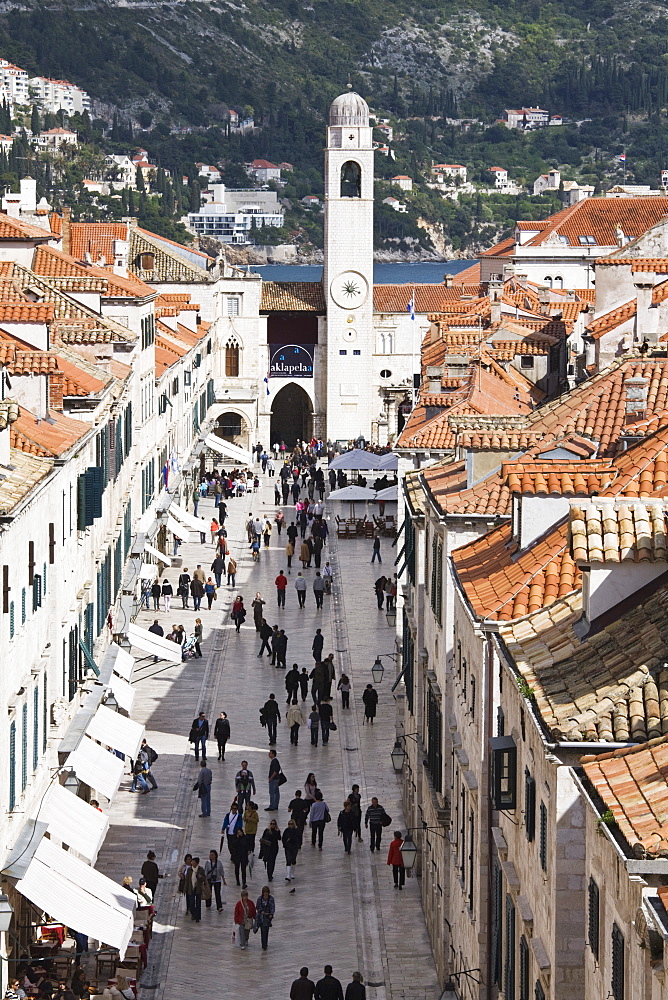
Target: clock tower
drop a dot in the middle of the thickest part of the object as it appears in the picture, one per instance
(348, 269)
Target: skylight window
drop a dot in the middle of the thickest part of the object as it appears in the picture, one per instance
(587, 241)
(565, 239)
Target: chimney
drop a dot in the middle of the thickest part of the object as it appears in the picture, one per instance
(635, 389)
(447, 280)
(103, 362)
(67, 231)
(620, 238)
(28, 195)
(495, 291)
(120, 256)
(434, 373)
(12, 205)
(646, 317)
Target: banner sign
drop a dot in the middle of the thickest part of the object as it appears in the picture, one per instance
(291, 361)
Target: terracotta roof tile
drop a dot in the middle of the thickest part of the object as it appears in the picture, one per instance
(609, 320)
(16, 229)
(557, 478)
(26, 312)
(292, 296)
(32, 363)
(17, 483)
(38, 437)
(612, 532)
(600, 217)
(429, 298)
(96, 239)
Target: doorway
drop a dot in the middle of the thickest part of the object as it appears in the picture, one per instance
(291, 416)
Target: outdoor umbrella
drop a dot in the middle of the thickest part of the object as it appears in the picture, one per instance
(356, 459)
(389, 461)
(390, 493)
(353, 494)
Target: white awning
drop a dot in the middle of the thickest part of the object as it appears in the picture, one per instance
(157, 554)
(163, 648)
(232, 451)
(74, 822)
(123, 663)
(115, 731)
(147, 571)
(78, 896)
(195, 523)
(123, 692)
(146, 520)
(99, 768)
(178, 529)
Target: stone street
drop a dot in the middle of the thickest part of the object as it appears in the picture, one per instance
(345, 911)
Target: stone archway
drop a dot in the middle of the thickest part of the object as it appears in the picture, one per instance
(233, 427)
(291, 415)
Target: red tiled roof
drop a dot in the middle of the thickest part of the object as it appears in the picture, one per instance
(32, 363)
(609, 320)
(25, 312)
(600, 217)
(37, 437)
(292, 296)
(96, 238)
(16, 229)
(558, 478)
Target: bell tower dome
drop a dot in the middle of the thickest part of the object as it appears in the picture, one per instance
(348, 268)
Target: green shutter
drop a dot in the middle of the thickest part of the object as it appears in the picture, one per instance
(82, 489)
(45, 711)
(23, 606)
(12, 620)
(24, 747)
(35, 728)
(12, 766)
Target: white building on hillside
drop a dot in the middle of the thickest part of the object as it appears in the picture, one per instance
(58, 95)
(233, 214)
(548, 182)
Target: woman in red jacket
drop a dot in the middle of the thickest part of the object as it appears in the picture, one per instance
(395, 859)
(244, 918)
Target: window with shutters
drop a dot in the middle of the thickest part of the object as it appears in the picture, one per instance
(529, 805)
(497, 929)
(45, 710)
(12, 766)
(202, 407)
(24, 747)
(409, 535)
(232, 359)
(617, 980)
(432, 581)
(148, 322)
(539, 992)
(209, 346)
(127, 530)
(210, 393)
(127, 430)
(472, 705)
(90, 487)
(461, 846)
(232, 305)
(36, 591)
(543, 837)
(593, 909)
(195, 420)
(102, 455)
(509, 961)
(31, 562)
(408, 661)
(73, 656)
(118, 446)
(187, 378)
(88, 633)
(118, 566)
(524, 969)
(23, 606)
(43, 579)
(6, 589)
(434, 740)
(471, 859)
(198, 360)
(12, 620)
(504, 772)
(35, 727)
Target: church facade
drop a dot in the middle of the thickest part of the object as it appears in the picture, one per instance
(333, 359)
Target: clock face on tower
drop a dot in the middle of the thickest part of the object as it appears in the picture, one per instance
(349, 289)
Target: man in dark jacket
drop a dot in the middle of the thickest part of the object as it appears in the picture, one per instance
(184, 587)
(157, 629)
(328, 988)
(356, 990)
(199, 734)
(302, 988)
(272, 715)
(317, 676)
(292, 684)
(151, 872)
(218, 568)
(318, 643)
(221, 732)
(373, 818)
(197, 591)
(265, 635)
(281, 648)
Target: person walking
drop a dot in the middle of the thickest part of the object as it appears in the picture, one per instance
(344, 687)
(238, 613)
(292, 684)
(329, 987)
(272, 715)
(289, 552)
(375, 818)
(291, 843)
(314, 725)
(274, 779)
(281, 648)
(266, 909)
(275, 632)
(266, 633)
(148, 757)
(327, 576)
(302, 988)
(317, 645)
(196, 888)
(269, 844)
(346, 825)
(215, 876)
(305, 555)
(198, 632)
(197, 592)
(203, 788)
(317, 551)
(318, 591)
(318, 817)
(396, 859)
(294, 718)
(244, 918)
(238, 847)
(303, 684)
(266, 533)
(231, 572)
(221, 733)
(376, 550)
(329, 676)
(232, 821)
(299, 810)
(150, 872)
(281, 583)
(251, 822)
(356, 990)
(167, 593)
(244, 783)
(370, 699)
(355, 800)
(379, 587)
(155, 594)
(326, 714)
(300, 587)
(157, 629)
(199, 574)
(258, 612)
(210, 591)
(218, 568)
(317, 677)
(199, 734)
(184, 587)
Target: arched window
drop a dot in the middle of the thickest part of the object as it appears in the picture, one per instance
(230, 426)
(232, 359)
(351, 180)
(547, 280)
(558, 281)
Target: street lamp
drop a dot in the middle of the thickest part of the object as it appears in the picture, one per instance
(409, 852)
(391, 617)
(377, 671)
(6, 913)
(398, 756)
(71, 781)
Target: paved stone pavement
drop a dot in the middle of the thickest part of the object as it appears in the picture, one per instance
(345, 910)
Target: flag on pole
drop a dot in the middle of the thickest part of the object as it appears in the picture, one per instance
(622, 158)
(410, 308)
(266, 382)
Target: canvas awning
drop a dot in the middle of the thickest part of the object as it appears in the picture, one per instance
(122, 663)
(389, 493)
(232, 451)
(123, 692)
(163, 648)
(177, 529)
(185, 517)
(389, 461)
(74, 822)
(356, 458)
(78, 896)
(147, 571)
(157, 554)
(115, 731)
(100, 769)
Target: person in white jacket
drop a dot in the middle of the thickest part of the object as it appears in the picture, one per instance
(294, 718)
